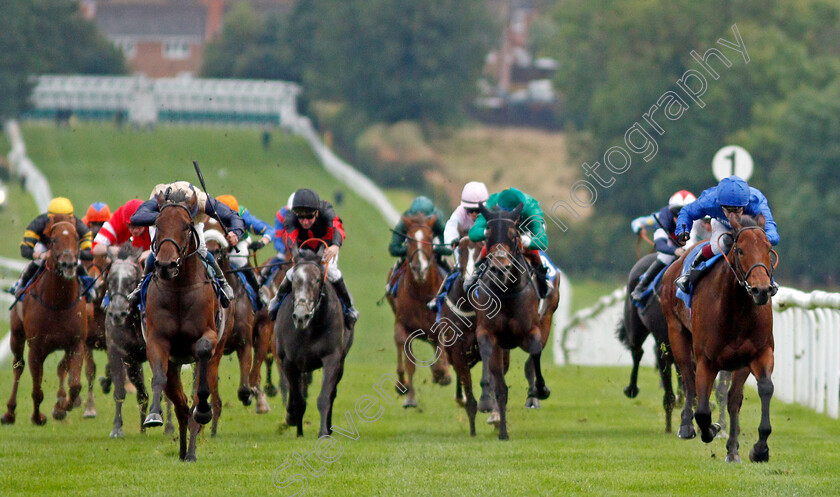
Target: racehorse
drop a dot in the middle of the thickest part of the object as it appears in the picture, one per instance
(96, 335)
(238, 337)
(124, 340)
(310, 333)
(511, 317)
(728, 327)
(634, 328)
(51, 317)
(412, 319)
(183, 322)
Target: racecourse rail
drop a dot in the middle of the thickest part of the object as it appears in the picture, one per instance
(806, 330)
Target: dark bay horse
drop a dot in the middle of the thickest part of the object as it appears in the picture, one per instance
(124, 339)
(634, 328)
(309, 334)
(183, 322)
(728, 327)
(238, 337)
(509, 316)
(51, 317)
(412, 319)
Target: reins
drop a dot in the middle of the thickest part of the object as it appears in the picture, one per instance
(735, 265)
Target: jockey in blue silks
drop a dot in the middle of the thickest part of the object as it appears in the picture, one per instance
(665, 241)
(731, 198)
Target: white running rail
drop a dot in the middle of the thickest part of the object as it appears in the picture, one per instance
(806, 330)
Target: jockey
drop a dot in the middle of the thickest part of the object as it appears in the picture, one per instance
(397, 247)
(665, 241)
(118, 230)
(532, 232)
(464, 216)
(147, 213)
(239, 259)
(313, 218)
(270, 267)
(731, 198)
(35, 243)
(97, 214)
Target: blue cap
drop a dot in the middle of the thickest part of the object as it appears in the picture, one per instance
(733, 191)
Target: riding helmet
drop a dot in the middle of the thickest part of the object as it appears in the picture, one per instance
(733, 191)
(60, 205)
(306, 200)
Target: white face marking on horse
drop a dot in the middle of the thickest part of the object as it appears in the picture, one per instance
(470, 261)
(424, 262)
(65, 232)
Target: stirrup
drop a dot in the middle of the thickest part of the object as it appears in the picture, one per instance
(432, 305)
(682, 283)
(351, 315)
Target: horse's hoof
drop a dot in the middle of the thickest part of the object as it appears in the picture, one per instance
(90, 412)
(486, 404)
(503, 437)
(130, 388)
(190, 458)
(203, 417)
(58, 414)
(722, 434)
(686, 432)
(39, 419)
(153, 420)
(631, 391)
(289, 420)
(532, 403)
(758, 455)
(7, 419)
(710, 434)
(461, 401)
(410, 403)
(245, 396)
(444, 381)
(541, 393)
(270, 390)
(733, 458)
(400, 392)
(494, 419)
(105, 383)
(77, 402)
(117, 433)
(262, 404)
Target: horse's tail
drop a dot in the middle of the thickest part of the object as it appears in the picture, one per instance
(621, 333)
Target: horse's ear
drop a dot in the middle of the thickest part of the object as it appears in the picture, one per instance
(483, 210)
(160, 199)
(517, 211)
(320, 251)
(760, 220)
(432, 220)
(192, 201)
(295, 252)
(406, 221)
(735, 222)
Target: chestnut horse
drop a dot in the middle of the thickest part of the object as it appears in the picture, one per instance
(412, 319)
(511, 317)
(634, 328)
(729, 327)
(51, 317)
(181, 324)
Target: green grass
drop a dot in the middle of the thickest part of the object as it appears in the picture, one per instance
(588, 439)
(585, 293)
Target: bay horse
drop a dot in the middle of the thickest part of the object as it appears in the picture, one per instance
(639, 323)
(181, 325)
(124, 339)
(51, 317)
(728, 327)
(412, 319)
(310, 333)
(511, 317)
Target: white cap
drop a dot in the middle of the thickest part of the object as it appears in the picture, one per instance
(473, 193)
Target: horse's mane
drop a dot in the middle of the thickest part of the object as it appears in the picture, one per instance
(417, 218)
(747, 220)
(126, 251)
(309, 255)
(176, 197)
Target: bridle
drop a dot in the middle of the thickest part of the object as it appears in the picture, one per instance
(193, 236)
(421, 244)
(321, 282)
(514, 247)
(735, 263)
(57, 256)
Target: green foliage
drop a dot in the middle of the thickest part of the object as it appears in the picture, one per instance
(618, 57)
(43, 37)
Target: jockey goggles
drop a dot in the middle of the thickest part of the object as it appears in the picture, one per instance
(305, 213)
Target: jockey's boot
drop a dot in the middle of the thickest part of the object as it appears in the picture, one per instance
(647, 277)
(227, 290)
(27, 275)
(542, 281)
(134, 296)
(351, 315)
(255, 285)
(274, 304)
(691, 276)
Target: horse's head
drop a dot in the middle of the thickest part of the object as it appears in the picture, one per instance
(420, 244)
(468, 254)
(503, 243)
(307, 285)
(216, 242)
(752, 259)
(122, 277)
(63, 245)
(175, 233)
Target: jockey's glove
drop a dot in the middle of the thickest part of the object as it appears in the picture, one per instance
(526, 240)
(683, 237)
(256, 245)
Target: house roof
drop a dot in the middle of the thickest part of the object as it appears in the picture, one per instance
(181, 20)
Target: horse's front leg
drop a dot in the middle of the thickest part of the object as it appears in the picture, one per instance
(296, 405)
(36, 369)
(213, 383)
(158, 354)
(663, 362)
(722, 387)
(17, 343)
(175, 393)
(74, 382)
(704, 379)
(733, 405)
(204, 347)
(399, 340)
(535, 347)
(681, 350)
(405, 349)
(333, 371)
(762, 368)
(493, 356)
(90, 374)
(487, 400)
(245, 354)
(134, 369)
(117, 374)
